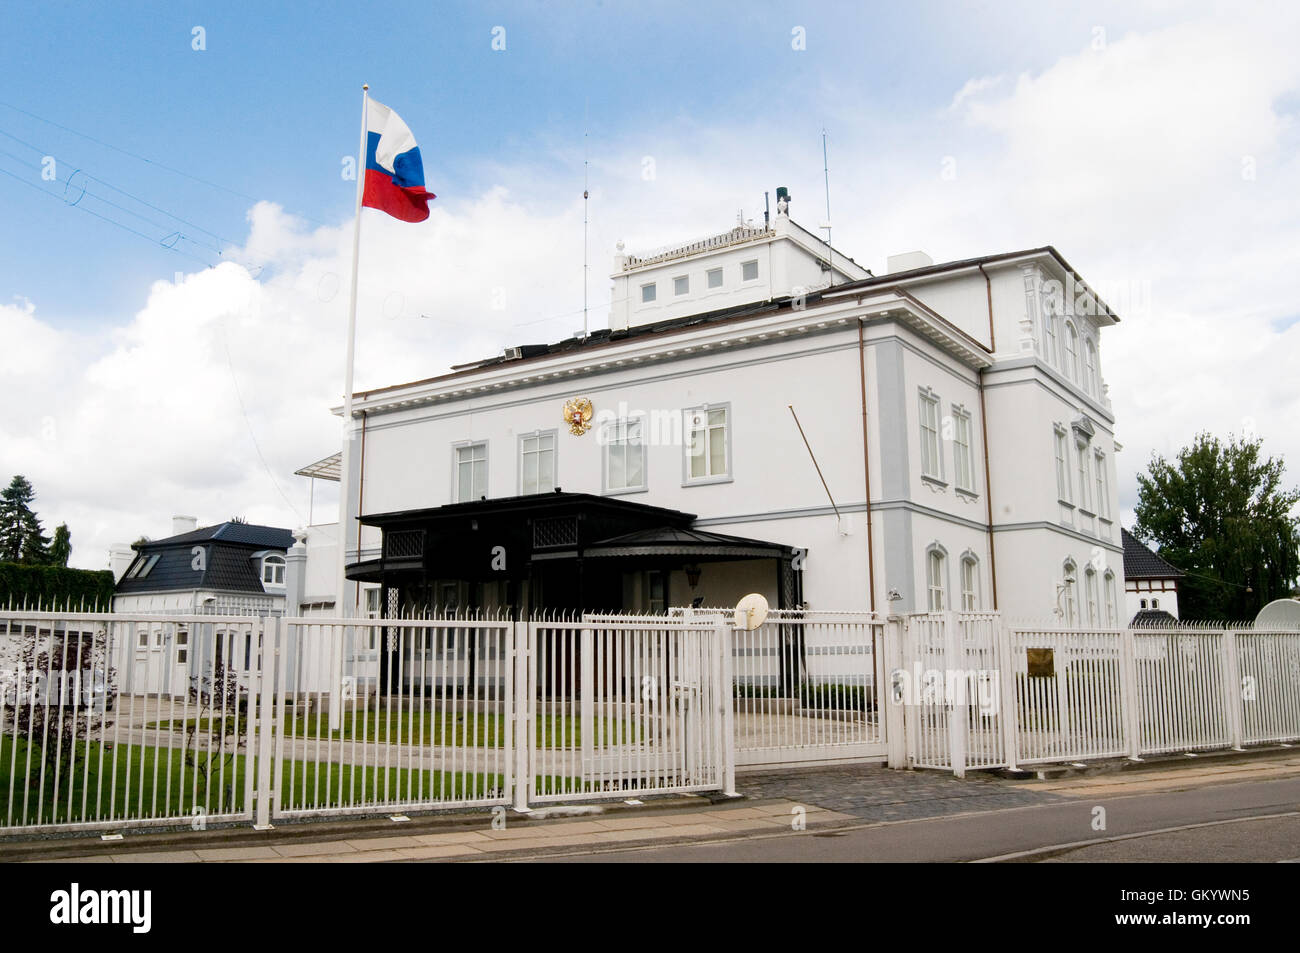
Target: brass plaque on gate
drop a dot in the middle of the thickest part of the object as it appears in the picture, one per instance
(1042, 663)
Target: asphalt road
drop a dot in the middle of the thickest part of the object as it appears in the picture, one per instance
(1065, 829)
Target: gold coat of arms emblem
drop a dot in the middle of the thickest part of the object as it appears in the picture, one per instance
(577, 414)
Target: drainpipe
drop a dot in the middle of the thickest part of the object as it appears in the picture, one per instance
(984, 428)
(866, 462)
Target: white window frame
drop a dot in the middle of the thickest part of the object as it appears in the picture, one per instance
(456, 449)
(653, 288)
(928, 406)
(688, 431)
(615, 433)
(746, 264)
(1091, 382)
(1064, 489)
(273, 562)
(1103, 485)
(523, 460)
(683, 291)
(1049, 333)
(936, 578)
(1093, 595)
(1071, 366)
(1070, 598)
(1081, 468)
(1112, 608)
(962, 427)
(708, 278)
(970, 573)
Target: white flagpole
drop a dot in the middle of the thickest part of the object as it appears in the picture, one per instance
(347, 606)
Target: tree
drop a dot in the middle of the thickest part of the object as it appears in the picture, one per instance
(61, 547)
(1220, 514)
(21, 538)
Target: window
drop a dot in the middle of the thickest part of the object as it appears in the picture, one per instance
(471, 472)
(1090, 589)
(1081, 455)
(655, 592)
(182, 646)
(1071, 352)
(1049, 331)
(372, 602)
(1062, 468)
(142, 568)
(624, 456)
(931, 462)
(963, 471)
(1103, 492)
(707, 456)
(749, 270)
(1112, 611)
(970, 584)
(715, 277)
(273, 571)
(648, 293)
(681, 285)
(934, 579)
(1090, 382)
(1155, 603)
(537, 462)
(1142, 603)
(1069, 597)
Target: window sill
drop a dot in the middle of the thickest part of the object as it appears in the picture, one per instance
(707, 481)
(626, 492)
(967, 494)
(935, 483)
(1066, 503)
(1087, 513)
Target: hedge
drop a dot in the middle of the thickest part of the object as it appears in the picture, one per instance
(55, 587)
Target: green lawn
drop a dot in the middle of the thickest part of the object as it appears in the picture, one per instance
(442, 729)
(304, 785)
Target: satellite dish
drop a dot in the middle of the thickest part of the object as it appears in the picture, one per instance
(1279, 614)
(751, 612)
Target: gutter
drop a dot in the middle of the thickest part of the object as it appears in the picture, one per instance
(984, 428)
(866, 463)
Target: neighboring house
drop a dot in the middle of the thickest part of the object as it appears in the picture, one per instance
(227, 569)
(1150, 583)
(963, 442)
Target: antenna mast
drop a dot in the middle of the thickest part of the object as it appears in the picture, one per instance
(826, 172)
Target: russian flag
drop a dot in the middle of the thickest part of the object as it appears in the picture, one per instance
(394, 172)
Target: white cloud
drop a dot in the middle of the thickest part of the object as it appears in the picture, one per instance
(1128, 159)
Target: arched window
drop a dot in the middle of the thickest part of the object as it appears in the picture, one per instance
(1069, 594)
(1071, 352)
(273, 571)
(1112, 610)
(970, 583)
(1090, 590)
(1090, 382)
(1049, 332)
(935, 579)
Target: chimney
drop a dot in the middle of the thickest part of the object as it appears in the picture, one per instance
(184, 524)
(907, 262)
(119, 559)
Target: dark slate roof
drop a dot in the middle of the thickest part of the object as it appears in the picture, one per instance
(228, 566)
(1140, 562)
(1152, 617)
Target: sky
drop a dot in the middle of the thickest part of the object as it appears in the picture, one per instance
(176, 223)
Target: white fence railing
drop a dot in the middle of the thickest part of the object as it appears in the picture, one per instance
(980, 692)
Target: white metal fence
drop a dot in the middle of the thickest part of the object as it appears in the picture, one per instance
(118, 720)
(979, 692)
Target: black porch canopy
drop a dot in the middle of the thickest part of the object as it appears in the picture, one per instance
(552, 550)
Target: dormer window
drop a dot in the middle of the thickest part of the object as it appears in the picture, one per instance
(273, 571)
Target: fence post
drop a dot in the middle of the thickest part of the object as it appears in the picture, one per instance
(1129, 699)
(896, 693)
(954, 688)
(265, 710)
(524, 700)
(1009, 716)
(1232, 688)
(722, 635)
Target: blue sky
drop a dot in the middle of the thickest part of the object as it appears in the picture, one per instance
(1157, 145)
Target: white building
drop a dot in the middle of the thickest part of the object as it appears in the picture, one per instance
(1150, 583)
(954, 445)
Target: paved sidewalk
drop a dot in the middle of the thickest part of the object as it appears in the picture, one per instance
(1173, 776)
(738, 820)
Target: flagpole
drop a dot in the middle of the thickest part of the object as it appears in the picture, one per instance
(347, 606)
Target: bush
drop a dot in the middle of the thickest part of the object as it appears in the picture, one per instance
(55, 587)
